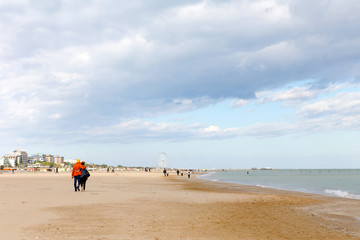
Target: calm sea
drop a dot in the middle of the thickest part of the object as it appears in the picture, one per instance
(333, 182)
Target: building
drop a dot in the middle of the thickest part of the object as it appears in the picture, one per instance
(18, 157)
(58, 159)
(9, 160)
(49, 158)
(54, 159)
(21, 157)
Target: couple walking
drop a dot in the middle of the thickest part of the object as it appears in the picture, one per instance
(80, 174)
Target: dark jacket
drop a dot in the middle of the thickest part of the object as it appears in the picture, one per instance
(84, 173)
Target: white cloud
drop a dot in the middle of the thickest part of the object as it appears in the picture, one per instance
(343, 104)
(299, 94)
(76, 65)
(212, 129)
(293, 94)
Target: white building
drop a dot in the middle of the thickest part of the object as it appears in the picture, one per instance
(15, 159)
(8, 159)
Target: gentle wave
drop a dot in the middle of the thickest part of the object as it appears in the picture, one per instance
(340, 193)
(207, 176)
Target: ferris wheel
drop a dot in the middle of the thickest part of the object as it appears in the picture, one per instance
(162, 160)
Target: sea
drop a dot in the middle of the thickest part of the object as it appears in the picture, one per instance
(331, 182)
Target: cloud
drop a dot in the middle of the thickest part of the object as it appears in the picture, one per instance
(137, 130)
(298, 94)
(342, 104)
(68, 65)
(324, 109)
(339, 112)
(294, 94)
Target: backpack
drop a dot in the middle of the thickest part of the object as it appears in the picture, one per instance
(85, 173)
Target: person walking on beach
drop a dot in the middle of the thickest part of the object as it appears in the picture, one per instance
(76, 173)
(84, 176)
(164, 172)
(189, 173)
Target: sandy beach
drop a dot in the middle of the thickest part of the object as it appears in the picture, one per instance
(139, 205)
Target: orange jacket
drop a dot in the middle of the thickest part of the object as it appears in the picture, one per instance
(77, 169)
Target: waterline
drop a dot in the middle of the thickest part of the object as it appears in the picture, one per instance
(332, 182)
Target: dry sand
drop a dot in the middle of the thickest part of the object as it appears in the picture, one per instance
(134, 205)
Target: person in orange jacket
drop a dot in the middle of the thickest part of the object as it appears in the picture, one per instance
(76, 173)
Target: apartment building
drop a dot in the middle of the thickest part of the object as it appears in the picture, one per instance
(58, 159)
(49, 158)
(15, 159)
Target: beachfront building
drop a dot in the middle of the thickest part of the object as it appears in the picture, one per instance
(18, 157)
(58, 159)
(40, 157)
(21, 156)
(8, 160)
(49, 158)
(54, 159)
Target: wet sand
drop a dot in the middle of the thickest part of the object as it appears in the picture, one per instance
(139, 205)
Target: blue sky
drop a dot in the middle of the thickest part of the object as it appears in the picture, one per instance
(213, 84)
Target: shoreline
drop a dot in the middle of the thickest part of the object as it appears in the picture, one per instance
(139, 205)
(340, 213)
(282, 189)
(321, 190)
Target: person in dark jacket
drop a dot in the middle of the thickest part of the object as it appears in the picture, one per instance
(84, 176)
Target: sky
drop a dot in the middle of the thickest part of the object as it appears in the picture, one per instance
(213, 83)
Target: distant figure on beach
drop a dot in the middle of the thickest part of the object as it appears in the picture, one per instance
(177, 172)
(108, 170)
(164, 172)
(112, 170)
(84, 176)
(56, 170)
(189, 173)
(182, 173)
(13, 170)
(76, 173)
